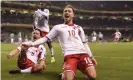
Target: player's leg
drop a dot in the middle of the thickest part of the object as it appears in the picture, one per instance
(27, 70)
(91, 73)
(100, 40)
(69, 68)
(92, 39)
(34, 67)
(49, 43)
(86, 66)
(20, 40)
(26, 66)
(12, 40)
(50, 47)
(38, 68)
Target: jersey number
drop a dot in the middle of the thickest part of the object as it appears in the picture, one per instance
(32, 54)
(87, 60)
(71, 33)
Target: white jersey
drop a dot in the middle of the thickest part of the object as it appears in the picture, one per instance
(41, 19)
(94, 34)
(71, 38)
(35, 53)
(117, 34)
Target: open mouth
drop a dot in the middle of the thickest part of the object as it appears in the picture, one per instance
(66, 16)
(34, 37)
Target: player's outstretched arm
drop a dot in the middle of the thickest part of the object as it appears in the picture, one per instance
(83, 38)
(12, 53)
(35, 43)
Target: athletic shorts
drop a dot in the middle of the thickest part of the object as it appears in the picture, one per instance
(94, 38)
(25, 63)
(116, 39)
(100, 38)
(43, 33)
(77, 61)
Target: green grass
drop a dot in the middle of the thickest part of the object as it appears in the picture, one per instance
(115, 62)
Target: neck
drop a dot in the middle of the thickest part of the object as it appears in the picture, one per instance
(69, 23)
(42, 9)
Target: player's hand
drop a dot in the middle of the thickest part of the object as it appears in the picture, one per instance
(94, 61)
(44, 66)
(52, 60)
(9, 56)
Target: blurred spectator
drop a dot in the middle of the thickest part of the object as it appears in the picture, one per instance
(19, 37)
(26, 38)
(12, 37)
(117, 35)
(94, 36)
(100, 37)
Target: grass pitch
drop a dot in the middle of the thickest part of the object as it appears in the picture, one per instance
(115, 62)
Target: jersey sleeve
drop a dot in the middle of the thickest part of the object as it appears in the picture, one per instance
(84, 40)
(46, 13)
(82, 35)
(19, 48)
(53, 33)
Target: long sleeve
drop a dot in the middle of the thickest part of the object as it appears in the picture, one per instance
(88, 49)
(39, 41)
(51, 35)
(84, 40)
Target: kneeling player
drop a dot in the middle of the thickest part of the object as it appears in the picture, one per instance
(31, 59)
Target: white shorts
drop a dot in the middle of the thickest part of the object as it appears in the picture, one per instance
(20, 39)
(12, 40)
(94, 39)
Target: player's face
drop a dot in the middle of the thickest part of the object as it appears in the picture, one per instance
(42, 6)
(68, 15)
(36, 34)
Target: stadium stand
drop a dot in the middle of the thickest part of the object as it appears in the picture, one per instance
(92, 15)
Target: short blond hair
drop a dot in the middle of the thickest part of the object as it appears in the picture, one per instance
(70, 6)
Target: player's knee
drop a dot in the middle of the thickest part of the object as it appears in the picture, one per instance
(91, 75)
(68, 78)
(37, 68)
(68, 75)
(91, 72)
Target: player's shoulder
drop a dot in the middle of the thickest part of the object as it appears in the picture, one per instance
(77, 26)
(46, 9)
(59, 25)
(37, 10)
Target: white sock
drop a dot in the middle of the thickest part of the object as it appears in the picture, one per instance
(28, 70)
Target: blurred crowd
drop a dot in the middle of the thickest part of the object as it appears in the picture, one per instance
(21, 12)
